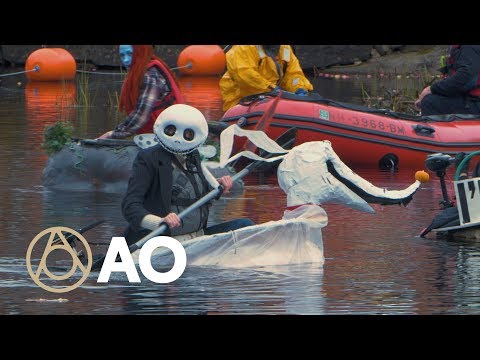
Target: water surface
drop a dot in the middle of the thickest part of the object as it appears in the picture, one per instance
(374, 263)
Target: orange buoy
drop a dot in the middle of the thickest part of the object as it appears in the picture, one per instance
(53, 64)
(204, 60)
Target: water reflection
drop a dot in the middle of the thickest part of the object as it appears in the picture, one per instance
(215, 291)
(374, 263)
(47, 102)
(203, 93)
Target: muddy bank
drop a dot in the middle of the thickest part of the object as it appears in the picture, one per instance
(410, 60)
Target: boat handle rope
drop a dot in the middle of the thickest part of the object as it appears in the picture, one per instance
(79, 155)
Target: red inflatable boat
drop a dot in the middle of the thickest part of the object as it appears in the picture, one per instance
(361, 136)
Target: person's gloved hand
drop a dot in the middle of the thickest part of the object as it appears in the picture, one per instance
(301, 92)
(276, 90)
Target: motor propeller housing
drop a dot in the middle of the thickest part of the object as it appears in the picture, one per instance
(438, 162)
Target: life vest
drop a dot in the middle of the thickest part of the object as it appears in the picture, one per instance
(174, 97)
(452, 56)
(189, 185)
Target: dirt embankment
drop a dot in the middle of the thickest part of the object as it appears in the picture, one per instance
(409, 60)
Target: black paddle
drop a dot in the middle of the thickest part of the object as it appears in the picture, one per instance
(70, 238)
(284, 140)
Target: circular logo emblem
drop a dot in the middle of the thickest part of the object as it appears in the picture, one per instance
(58, 241)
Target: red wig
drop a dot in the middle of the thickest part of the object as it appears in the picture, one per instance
(142, 55)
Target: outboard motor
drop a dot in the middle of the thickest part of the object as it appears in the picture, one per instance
(439, 163)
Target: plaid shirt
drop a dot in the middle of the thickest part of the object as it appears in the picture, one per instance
(155, 89)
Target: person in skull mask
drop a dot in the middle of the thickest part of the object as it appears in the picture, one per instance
(254, 69)
(169, 177)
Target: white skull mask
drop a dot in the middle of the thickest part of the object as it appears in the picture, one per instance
(181, 128)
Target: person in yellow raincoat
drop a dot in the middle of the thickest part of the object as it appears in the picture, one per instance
(253, 69)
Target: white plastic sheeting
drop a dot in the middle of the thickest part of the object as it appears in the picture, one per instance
(259, 138)
(305, 178)
(296, 239)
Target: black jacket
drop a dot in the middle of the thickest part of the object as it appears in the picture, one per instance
(466, 65)
(149, 189)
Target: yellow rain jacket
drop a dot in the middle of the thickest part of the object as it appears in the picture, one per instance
(251, 71)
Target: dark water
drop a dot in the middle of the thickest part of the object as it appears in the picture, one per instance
(374, 263)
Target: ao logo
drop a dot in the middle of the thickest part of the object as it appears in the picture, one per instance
(118, 247)
(58, 241)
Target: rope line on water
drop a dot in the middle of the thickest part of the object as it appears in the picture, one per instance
(189, 66)
(100, 73)
(36, 68)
